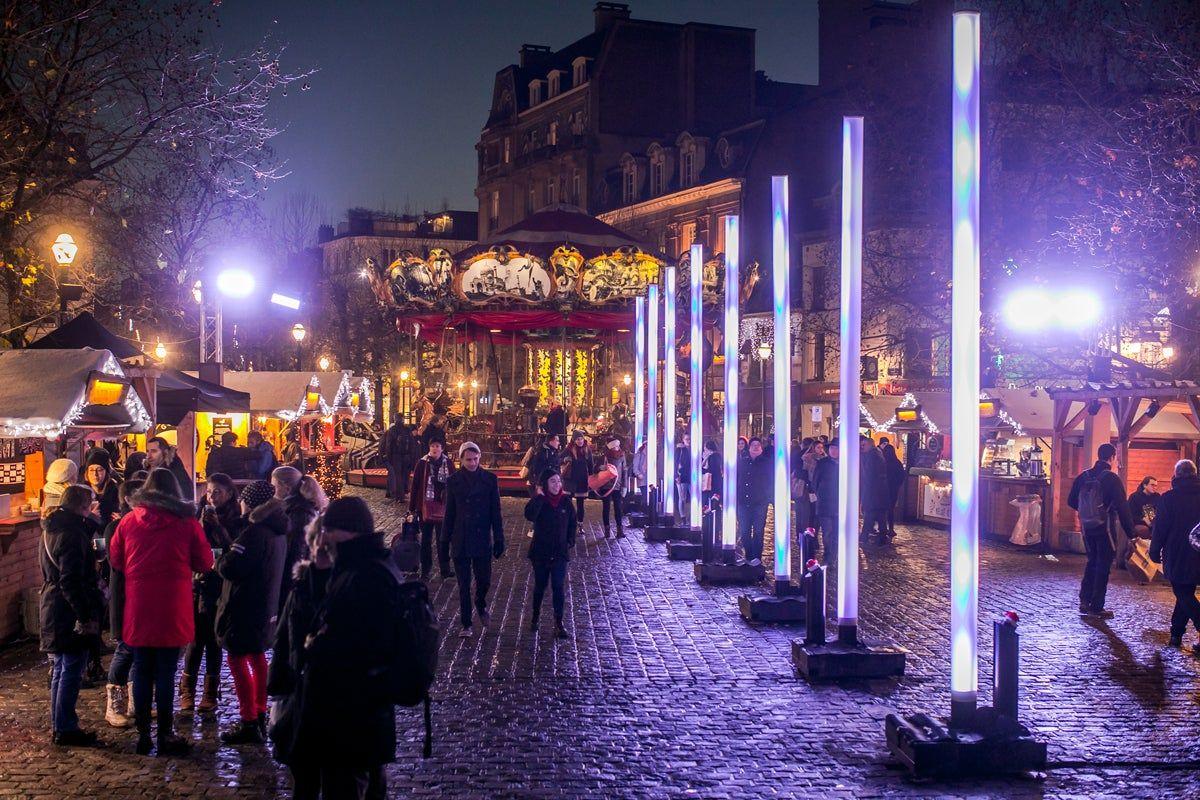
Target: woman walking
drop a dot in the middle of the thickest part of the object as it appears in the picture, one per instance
(158, 546)
(612, 496)
(1178, 513)
(581, 464)
(70, 609)
(117, 711)
(221, 519)
(427, 504)
(554, 526)
(246, 606)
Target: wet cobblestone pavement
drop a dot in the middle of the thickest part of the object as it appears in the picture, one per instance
(662, 690)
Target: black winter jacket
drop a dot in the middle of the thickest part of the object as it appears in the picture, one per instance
(544, 458)
(1112, 492)
(473, 519)
(1178, 513)
(220, 533)
(575, 477)
(300, 512)
(825, 486)
(346, 720)
(252, 570)
(873, 474)
(70, 582)
(756, 480)
(553, 529)
(286, 677)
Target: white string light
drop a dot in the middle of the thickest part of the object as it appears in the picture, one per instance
(909, 401)
(314, 385)
(27, 428)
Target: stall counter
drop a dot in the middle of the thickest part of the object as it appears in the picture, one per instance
(928, 499)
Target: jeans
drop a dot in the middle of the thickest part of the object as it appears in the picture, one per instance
(612, 502)
(482, 567)
(579, 508)
(204, 648)
(752, 523)
(66, 675)
(249, 672)
(314, 782)
(554, 573)
(154, 681)
(1100, 554)
(432, 532)
(829, 539)
(121, 664)
(1187, 607)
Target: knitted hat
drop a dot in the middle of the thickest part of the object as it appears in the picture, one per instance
(101, 457)
(350, 514)
(62, 470)
(578, 434)
(547, 474)
(614, 444)
(257, 493)
(465, 446)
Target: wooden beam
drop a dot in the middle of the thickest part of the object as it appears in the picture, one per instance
(1073, 423)
(1141, 423)
(1061, 409)
(1125, 417)
(1160, 392)
(1194, 404)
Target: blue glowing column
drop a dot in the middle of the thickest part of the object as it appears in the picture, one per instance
(964, 377)
(782, 378)
(850, 335)
(639, 378)
(668, 482)
(697, 375)
(652, 387)
(732, 361)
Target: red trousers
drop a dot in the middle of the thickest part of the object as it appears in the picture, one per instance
(250, 683)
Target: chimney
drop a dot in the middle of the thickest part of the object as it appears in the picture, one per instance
(532, 54)
(608, 13)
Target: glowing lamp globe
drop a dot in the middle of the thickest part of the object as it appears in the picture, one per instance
(64, 249)
(298, 333)
(323, 363)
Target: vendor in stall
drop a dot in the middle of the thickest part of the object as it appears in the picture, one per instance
(1143, 504)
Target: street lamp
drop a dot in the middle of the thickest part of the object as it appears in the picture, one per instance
(160, 351)
(323, 362)
(298, 333)
(764, 353)
(64, 249)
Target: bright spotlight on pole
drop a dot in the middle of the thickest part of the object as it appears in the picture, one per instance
(1028, 310)
(1078, 309)
(285, 301)
(235, 283)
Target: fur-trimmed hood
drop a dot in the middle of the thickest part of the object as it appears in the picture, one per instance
(272, 515)
(163, 502)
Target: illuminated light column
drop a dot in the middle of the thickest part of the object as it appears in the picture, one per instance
(782, 378)
(697, 391)
(669, 390)
(652, 388)
(850, 334)
(732, 361)
(639, 378)
(964, 377)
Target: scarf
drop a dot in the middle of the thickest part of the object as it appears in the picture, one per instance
(555, 499)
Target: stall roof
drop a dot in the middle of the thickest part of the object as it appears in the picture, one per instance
(85, 331)
(271, 392)
(43, 392)
(179, 393)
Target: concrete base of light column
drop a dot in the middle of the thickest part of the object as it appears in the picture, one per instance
(780, 609)
(688, 548)
(637, 519)
(989, 743)
(666, 532)
(734, 573)
(834, 660)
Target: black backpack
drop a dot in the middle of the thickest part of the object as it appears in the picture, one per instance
(1093, 513)
(414, 661)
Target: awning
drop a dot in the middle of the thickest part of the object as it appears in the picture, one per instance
(179, 393)
(85, 331)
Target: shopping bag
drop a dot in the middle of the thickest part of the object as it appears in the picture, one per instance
(1139, 563)
(600, 481)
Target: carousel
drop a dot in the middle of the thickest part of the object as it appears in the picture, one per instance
(541, 313)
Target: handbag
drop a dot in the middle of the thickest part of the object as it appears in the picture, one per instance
(607, 474)
(1139, 564)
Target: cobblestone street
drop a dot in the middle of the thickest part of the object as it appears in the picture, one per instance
(663, 691)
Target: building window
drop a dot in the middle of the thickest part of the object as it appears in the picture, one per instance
(820, 288)
(442, 224)
(576, 187)
(656, 177)
(818, 362)
(687, 176)
(687, 237)
(507, 149)
(495, 213)
(628, 185)
(535, 92)
(531, 200)
(577, 124)
(918, 354)
(551, 191)
(552, 137)
(555, 83)
(579, 71)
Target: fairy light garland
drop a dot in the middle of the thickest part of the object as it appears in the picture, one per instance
(909, 401)
(139, 416)
(872, 423)
(314, 387)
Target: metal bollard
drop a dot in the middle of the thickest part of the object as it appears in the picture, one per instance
(814, 607)
(652, 499)
(1006, 647)
(708, 528)
(808, 545)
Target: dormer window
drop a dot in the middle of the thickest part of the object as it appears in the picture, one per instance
(535, 92)
(554, 82)
(691, 158)
(579, 71)
(660, 169)
(629, 179)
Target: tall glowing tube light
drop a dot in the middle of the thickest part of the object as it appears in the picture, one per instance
(696, 372)
(652, 388)
(669, 390)
(964, 376)
(782, 378)
(850, 336)
(639, 378)
(729, 485)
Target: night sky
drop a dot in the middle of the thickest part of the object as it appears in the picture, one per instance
(404, 87)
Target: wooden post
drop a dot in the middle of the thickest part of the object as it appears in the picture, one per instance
(1057, 459)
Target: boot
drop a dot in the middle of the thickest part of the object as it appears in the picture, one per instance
(187, 693)
(245, 732)
(212, 693)
(607, 532)
(116, 711)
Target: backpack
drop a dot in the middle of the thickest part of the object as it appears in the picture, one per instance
(1093, 513)
(414, 662)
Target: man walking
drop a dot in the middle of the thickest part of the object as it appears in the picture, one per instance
(756, 486)
(1098, 496)
(397, 448)
(825, 486)
(476, 530)
(875, 495)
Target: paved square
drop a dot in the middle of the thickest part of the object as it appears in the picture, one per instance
(662, 691)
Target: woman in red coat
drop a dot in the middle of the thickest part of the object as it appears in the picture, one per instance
(158, 546)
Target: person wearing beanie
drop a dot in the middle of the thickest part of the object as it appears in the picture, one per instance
(554, 527)
(612, 495)
(344, 735)
(158, 546)
(578, 466)
(249, 600)
(61, 473)
(476, 531)
(98, 473)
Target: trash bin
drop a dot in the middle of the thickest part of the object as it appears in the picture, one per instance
(1028, 529)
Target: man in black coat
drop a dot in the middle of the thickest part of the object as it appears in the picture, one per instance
(398, 449)
(756, 490)
(160, 454)
(476, 530)
(825, 486)
(1170, 545)
(556, 420)
(70, 609)
(346, 730)
(1099, 496)
(875, 495)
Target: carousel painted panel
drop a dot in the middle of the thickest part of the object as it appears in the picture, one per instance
(504, 273)
(411, 279)
(620, 276)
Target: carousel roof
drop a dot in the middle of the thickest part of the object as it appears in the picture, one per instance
(557, 226)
